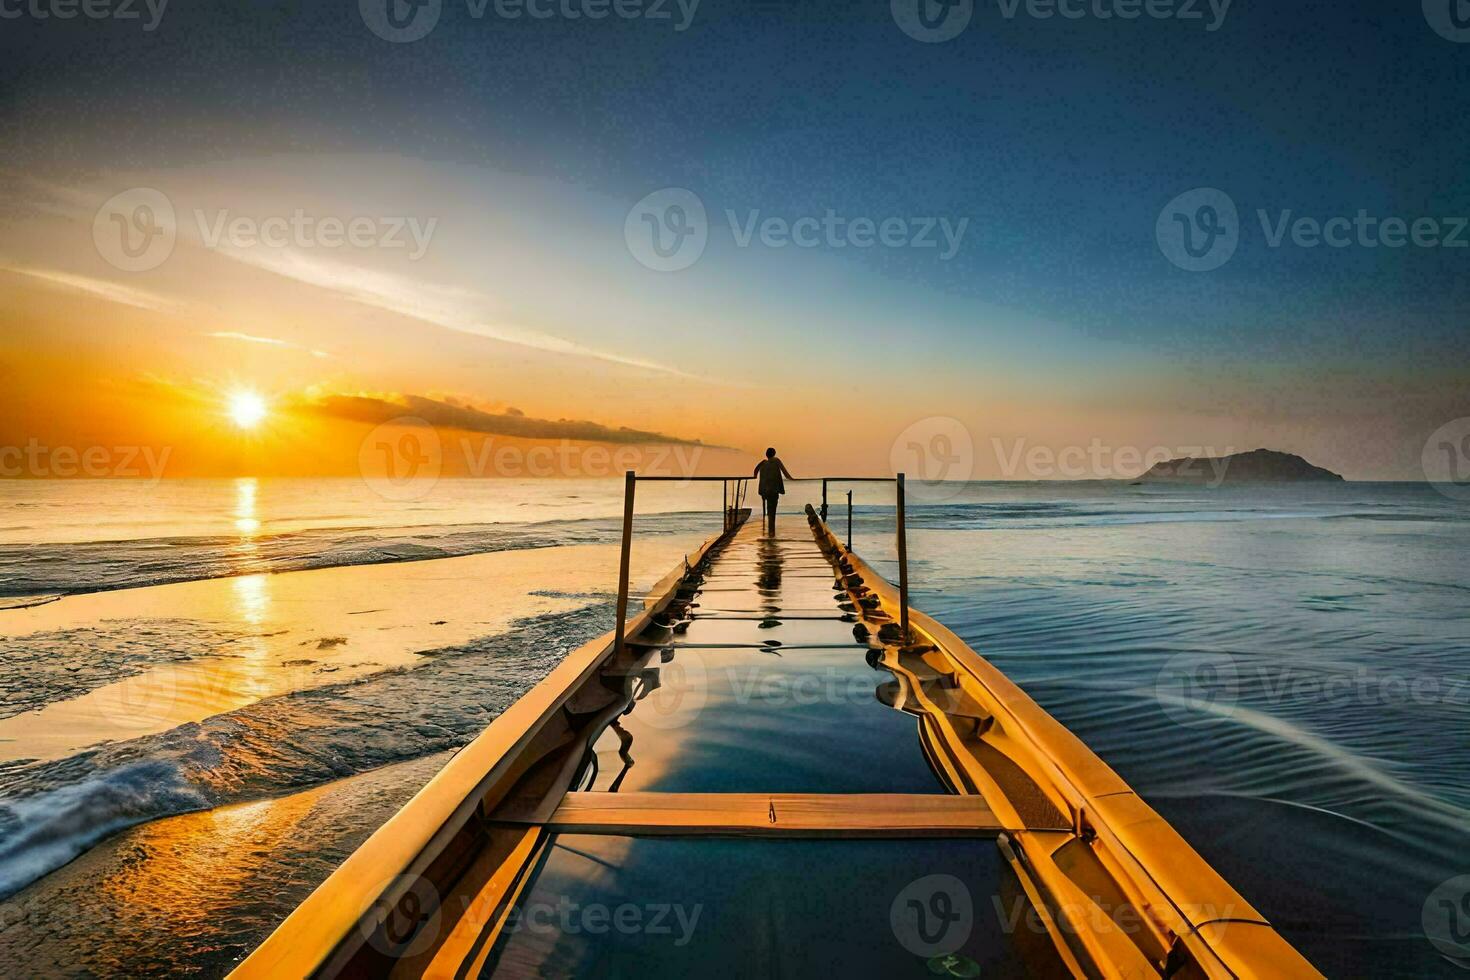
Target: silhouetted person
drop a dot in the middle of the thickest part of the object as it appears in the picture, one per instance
(771, 486)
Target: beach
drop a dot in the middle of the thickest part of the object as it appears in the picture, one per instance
(160, 657)
(219, 879)
(148, 702)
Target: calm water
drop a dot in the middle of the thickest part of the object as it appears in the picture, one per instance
(1284, 672)
(60, 537)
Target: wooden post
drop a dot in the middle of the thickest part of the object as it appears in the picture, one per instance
(903, 567)
(631, 480)
(824, 501)
(849, 520)
(725, 502)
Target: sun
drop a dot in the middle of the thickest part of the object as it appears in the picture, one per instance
(247, 409)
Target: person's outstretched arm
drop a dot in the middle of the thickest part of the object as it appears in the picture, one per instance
(785, 470)
(757, 470)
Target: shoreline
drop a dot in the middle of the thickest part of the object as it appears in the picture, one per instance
(216, 645)
(398, 662)
(222, 877)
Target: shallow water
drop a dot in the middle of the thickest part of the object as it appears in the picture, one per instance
(71, 536)
(1283, 672)
(628, 907)
(767, 690)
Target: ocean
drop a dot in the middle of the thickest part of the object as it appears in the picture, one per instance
(1282, 671)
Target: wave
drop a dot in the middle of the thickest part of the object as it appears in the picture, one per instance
(42, 668)
(49, 829)
(50, 812)
(32, 573)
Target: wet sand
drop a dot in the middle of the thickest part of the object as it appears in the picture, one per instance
(243, 700)
(192, 894)
(118, 665)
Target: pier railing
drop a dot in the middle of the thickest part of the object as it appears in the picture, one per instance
(734, 493)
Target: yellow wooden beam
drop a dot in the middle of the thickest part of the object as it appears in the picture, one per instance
(768, 815)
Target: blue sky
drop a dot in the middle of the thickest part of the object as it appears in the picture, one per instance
(1058, 141)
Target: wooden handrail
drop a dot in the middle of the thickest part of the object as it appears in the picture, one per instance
(631, 479)
(629, 484)
(794, 479)
(903, 567)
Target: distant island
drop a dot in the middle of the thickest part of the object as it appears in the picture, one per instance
(1257, 466)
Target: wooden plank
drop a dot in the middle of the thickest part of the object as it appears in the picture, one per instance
(769, 815)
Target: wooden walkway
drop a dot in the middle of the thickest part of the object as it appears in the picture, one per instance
(756, 589)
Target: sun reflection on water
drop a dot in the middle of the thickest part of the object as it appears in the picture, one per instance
(252, 598)
(246, 521)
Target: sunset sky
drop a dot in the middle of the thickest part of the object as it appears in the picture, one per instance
(1057, 321)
